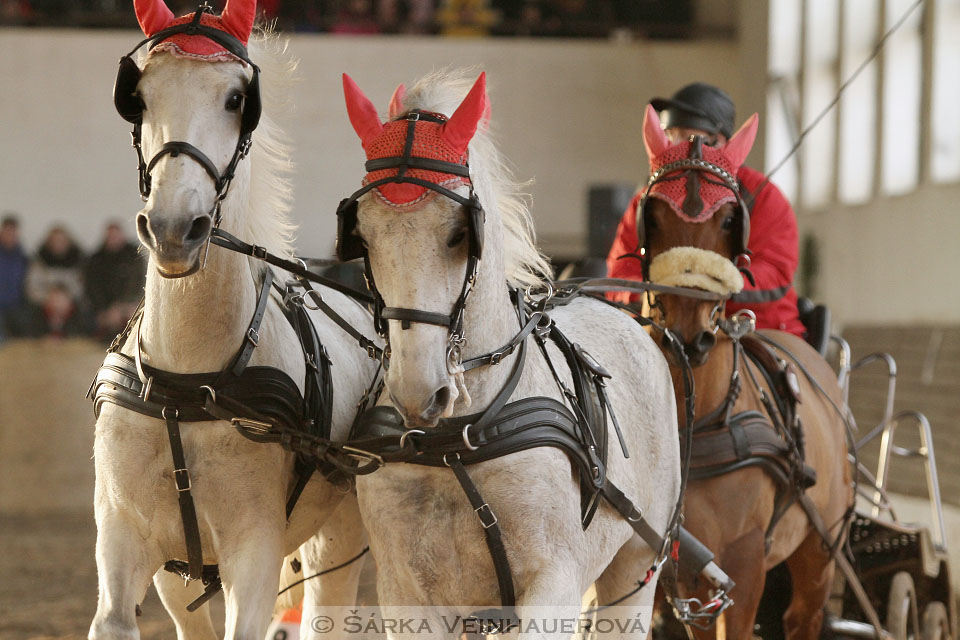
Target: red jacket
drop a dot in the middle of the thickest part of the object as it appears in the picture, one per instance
(773, 242)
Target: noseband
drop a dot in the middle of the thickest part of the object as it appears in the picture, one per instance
(130, 108)
(349, 246)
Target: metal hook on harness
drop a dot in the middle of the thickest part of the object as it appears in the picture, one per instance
(693, 612)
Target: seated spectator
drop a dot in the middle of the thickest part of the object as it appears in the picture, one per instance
(466, 18)
(54, 274)
(61, 316)
(355, 17)
(406, 16)
(13, 270)
(114, 278)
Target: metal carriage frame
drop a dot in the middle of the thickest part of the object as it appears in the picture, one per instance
(903, 569)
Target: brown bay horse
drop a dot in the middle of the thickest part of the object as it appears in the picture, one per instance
(693, 227)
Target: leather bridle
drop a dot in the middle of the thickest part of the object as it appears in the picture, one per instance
(130, 108)
(349, 246)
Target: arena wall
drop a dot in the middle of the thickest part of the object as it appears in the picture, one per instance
(893, 261)
(568, 113)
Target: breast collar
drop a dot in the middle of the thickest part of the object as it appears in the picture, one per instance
(263, 403)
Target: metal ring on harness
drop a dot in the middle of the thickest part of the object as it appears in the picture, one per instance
(466, 439)
(403, 437)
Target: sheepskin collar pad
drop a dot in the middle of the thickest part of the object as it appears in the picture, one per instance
(697, 269)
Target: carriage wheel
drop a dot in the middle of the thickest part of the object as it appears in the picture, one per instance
(936, 623)
(902, 618)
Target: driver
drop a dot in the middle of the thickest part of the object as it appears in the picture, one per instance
(702, 109)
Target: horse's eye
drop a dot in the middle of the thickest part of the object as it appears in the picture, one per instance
(234, 102)
(457, 238)
(727, 223)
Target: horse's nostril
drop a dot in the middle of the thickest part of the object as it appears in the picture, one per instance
(440, 399)
(143, 229)
(199, 229)
(705, 341)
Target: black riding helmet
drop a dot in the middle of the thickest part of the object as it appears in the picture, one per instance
(698, 106)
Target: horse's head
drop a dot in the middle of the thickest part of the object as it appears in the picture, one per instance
(693, 229)
(422, 239)
(193, 106)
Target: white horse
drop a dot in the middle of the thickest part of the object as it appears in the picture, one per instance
(428, 543)
(196, 324)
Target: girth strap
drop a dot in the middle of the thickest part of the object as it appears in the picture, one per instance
(491, 530)
(188, 512)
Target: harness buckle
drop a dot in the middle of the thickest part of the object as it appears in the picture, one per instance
(258, 252)
(496, 357)
(253, 337)
(360, 454)
(146, 391)
(181, 477)
(491, 518)
(254, 425)
(636, 515)
(465, 434)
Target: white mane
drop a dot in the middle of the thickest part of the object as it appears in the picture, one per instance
(442, 91)
(268, 220)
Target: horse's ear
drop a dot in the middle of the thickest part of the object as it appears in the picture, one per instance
(396, 101)
(153, 15)
(237, 18)
(459, 129)
(740, 144)
(654, 138)
(363, 115)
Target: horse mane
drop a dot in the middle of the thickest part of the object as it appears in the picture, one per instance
(441, 91)
(268, 221)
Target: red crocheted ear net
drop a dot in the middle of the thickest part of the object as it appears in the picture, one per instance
(197, 47)
(427, 143)
(673, 188)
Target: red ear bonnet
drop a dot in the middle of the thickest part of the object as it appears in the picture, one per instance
(693, 194)
(237, 20)
(446, 140)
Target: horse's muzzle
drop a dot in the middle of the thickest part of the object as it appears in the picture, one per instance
(174, 242)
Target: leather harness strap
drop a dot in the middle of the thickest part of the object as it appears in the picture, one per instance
(252, 338)
(228, 395)
(505, 428)
(491, 531)
(188, 512)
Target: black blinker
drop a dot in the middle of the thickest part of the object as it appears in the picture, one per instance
(125, 97)
(349, 245)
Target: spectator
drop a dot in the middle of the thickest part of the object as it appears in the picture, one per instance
(355, 17)
(466, 18)
(13, 270)
(61, 316)
(406, 16)
(54, 286)
(114, 281)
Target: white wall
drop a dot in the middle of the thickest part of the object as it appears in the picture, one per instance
(568, 114)
(892, 261)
